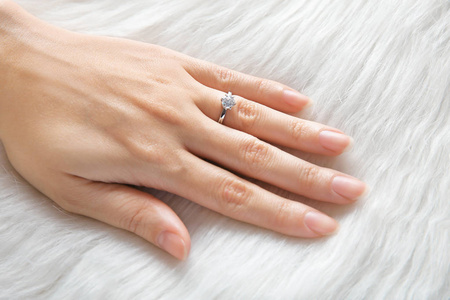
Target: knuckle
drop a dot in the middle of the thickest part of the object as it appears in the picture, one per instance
(248, 114)
(262, 86)
(225, 76)
(174, 164)
(169, 115)
(282, 214)
(309, 176)
(255, 154)
(135, 220)
(298, 129)
(168, 159)
(234, 195)
(165, 161)
(143, 151)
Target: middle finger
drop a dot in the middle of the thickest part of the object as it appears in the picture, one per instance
(252, 157)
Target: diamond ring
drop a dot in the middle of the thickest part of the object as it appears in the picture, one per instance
(227, 103)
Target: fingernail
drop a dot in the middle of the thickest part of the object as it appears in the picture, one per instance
(173, 244)
(320, 223)
(335, 141)
(350, 188)
(296, 99)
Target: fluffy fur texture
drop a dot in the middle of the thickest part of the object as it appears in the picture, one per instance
(377, 69)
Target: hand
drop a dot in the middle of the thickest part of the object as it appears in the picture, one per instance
(82, 118)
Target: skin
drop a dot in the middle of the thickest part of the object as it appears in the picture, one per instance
(85, 118)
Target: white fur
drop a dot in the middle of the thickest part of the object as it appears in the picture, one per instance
(377, 69)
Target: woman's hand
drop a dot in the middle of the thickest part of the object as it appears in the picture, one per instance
(82, 118)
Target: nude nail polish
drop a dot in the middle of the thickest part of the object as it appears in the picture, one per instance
(320, 223)
(173, 244)
(348, 187)
(335, 141)
(296, 99)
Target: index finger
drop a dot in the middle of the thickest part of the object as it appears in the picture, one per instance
(230, 195)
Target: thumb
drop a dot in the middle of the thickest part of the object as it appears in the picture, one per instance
(133, 210)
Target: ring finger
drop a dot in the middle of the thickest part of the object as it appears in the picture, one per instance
(274, 126)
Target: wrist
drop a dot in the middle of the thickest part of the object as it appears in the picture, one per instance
(10, 30)
(17, 34)
(12, 27)
(30, 50)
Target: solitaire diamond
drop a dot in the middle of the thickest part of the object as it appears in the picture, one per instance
(228, 101)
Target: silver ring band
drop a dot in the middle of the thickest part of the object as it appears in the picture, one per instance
(222, 116)
(227, 103)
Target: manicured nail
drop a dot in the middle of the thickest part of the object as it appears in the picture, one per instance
(173, 244)
(296, 99)
(350, 188)
(320, 223)
(335, 141)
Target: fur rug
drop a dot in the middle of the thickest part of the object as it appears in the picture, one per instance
(377, 69)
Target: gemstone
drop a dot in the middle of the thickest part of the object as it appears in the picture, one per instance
(228, 101)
